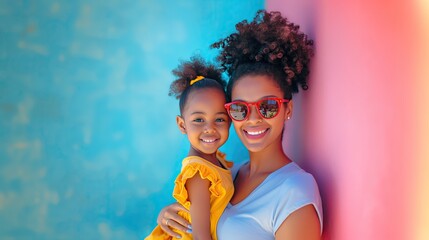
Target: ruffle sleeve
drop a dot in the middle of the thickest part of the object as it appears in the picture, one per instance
(181, 194)
(221, 156)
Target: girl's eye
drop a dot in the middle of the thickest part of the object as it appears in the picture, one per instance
(198, 120)
(220, 120)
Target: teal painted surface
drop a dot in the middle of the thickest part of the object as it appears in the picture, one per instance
(89, 146)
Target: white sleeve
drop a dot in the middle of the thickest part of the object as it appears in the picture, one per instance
(299, 191)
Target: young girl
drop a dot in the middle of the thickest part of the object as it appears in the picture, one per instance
(204, 185)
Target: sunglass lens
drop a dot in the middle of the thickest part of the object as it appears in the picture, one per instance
(238, 111)
(269, 108)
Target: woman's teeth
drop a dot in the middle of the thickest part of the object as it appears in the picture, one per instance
(256, 132)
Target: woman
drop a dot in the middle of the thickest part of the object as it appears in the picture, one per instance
(267, 59)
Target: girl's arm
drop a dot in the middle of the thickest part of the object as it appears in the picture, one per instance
(302, 224)
(199, 196)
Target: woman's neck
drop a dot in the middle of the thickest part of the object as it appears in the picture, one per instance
(269, 159)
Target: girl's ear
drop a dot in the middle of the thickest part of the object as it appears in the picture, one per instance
(288, 110)
(181, 124)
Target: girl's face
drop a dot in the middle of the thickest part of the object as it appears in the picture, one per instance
(205, 121)
(256, 132)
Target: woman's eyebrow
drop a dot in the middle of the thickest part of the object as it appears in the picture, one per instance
(267, 96)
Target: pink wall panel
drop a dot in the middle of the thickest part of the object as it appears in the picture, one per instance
(421, 208)
(356, 128)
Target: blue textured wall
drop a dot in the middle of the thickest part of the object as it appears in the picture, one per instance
(89, 147)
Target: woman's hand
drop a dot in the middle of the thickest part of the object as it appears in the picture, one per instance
(169, 219)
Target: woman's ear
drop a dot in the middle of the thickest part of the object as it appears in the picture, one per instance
(288, 110)
(181, 124)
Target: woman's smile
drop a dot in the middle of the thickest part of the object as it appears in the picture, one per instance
(255, 134)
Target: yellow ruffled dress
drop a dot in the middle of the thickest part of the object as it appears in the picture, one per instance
(221, 191)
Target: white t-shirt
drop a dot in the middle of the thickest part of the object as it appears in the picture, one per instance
(261, 213)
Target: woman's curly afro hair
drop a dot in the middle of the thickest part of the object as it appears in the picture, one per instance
(269, 39)
(188, 71)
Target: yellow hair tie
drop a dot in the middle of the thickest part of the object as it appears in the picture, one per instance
(198, 78)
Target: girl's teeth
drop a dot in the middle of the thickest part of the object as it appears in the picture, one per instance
(208, 141)
(256, 133)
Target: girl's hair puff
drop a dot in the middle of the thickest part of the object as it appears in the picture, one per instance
(268, 40)
(189, 70)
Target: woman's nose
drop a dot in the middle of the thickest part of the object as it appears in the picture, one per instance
(254, 116)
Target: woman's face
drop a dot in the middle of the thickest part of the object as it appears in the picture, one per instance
(256, 132)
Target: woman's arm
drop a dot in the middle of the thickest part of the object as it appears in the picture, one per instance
(199, 196)
(168, 219)
(301, 224)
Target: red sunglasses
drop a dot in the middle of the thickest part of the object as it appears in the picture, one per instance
(267, 108)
